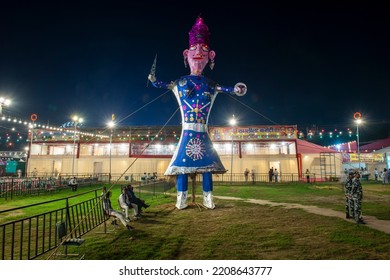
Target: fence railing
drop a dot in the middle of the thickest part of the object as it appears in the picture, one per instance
(240, 179)
(32, 236)
(236, 178)
(12, 186)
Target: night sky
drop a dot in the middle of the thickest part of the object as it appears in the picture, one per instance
(304, 64)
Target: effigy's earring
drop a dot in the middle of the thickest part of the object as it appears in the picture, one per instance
(212, 64)
(185, 62)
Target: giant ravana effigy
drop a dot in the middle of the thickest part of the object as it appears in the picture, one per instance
(196, 94)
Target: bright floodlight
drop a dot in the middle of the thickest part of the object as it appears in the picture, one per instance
(77, 119)
(233, 121)
(111, 124)
(5, 101)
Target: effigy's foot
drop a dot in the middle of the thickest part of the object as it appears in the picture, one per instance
(181, 202)
(208, 200)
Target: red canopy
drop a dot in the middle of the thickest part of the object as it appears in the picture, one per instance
(376, 145)
(304, 147)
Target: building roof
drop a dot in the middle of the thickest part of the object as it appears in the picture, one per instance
(305, 147)
(376, 145)
(349, 147)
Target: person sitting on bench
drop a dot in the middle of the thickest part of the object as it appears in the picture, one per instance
(111, 212)
(73, 184)
(135, 200)
(125, 203)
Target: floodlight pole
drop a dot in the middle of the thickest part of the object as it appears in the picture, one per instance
(77, 120)
(233, 123)
(74, 147)
(358, 144)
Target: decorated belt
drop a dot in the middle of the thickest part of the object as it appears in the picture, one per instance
(198, 127)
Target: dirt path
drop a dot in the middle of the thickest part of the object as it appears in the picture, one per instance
(371, 221)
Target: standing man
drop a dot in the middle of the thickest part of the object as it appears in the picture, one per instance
(307, 176)
(276, 175)
(349, 209)
(195, 95)
(270, 174)
(357, 196)
(246, 175)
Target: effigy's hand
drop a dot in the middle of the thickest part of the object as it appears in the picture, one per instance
(152, 78)
(240, 89)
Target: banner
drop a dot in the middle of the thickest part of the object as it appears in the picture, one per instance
(253, 132)
(352, 157)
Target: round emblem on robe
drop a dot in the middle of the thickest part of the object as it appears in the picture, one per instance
(195, 149)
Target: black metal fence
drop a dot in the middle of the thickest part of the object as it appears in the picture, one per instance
(29, 237)
(12, 186)
(257, 178)
(33, 236)
(227, 178)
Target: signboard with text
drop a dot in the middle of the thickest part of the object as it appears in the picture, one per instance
(253, 132)
(353, 157)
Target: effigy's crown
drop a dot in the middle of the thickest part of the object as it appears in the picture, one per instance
(199, 33)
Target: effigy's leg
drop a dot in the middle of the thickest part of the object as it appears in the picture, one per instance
(182, 191)
(208, 190)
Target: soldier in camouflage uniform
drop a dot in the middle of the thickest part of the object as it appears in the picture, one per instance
(357, 196)
(349, 212)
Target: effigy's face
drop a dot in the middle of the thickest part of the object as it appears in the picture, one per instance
(198, 57)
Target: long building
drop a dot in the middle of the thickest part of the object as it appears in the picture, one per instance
(138, 150)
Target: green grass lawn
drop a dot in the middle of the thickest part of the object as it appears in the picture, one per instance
(238, 230)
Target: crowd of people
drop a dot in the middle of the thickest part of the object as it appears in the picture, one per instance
(273, 175)
(383, 175)
(149, 177)
(127, 200)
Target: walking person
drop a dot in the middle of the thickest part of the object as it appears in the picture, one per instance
(357, 197)
(349, 209)
(253, 176)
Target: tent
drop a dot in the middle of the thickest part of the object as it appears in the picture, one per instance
(305, 147)
(376, 145)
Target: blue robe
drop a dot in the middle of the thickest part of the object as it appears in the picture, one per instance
(195, 152)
